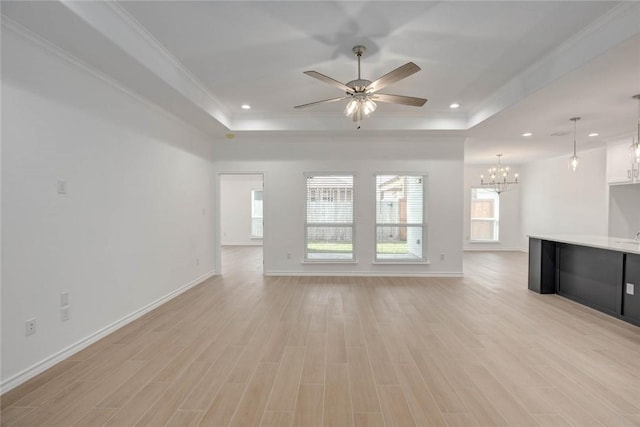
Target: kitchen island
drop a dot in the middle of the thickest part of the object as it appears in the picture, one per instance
(598, 271)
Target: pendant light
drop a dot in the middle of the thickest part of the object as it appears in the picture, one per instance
(573, 160)
(635, 144)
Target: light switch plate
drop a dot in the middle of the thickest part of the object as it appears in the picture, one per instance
(630, 288)
(64, 299)
(65, 313)
(62, 186)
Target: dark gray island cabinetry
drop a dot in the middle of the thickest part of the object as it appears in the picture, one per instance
(631, 291)
(600, 272)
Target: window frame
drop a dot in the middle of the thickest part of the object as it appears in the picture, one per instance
(423, 259)
(319, 193)
(495, 219)
(251, 235)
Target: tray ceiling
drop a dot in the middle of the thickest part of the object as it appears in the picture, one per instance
(512, 66)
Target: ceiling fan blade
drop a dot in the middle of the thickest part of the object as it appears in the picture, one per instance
(329, 80)
(393, 76)
(399, 99)
(324, 101)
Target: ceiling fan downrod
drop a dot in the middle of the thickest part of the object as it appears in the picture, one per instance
(359, 51)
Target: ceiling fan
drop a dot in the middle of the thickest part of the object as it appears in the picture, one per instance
(363, 94)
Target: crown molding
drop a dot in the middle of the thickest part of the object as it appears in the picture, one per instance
(155, 44)
(612, 28)
(53, 49)
(114, 23)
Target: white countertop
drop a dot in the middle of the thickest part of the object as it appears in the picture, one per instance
(603, 242)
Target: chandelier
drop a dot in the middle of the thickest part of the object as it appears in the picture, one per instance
(573, 160)
(499, 179)
(635, 145)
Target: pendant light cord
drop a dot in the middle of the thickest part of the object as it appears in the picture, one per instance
(638, 139)
(574, 120)
(574, 137)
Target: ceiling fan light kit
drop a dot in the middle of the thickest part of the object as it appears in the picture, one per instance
(362, 94)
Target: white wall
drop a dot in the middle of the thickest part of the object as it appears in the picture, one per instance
(285, 161)
(136, 219)
(624, 210)
(556, 200)
(509, 234)
(235, 208)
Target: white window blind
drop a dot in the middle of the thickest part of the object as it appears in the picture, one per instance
(329, 217)
(485, 215)
(400, 217)
(256, 214)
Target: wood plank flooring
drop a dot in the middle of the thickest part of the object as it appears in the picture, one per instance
(248, 350)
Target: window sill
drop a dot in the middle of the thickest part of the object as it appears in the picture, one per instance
(256, 238)
(329, 261)
(402, 262)
(491, 242)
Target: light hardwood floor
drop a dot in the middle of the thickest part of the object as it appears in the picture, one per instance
(245, 350)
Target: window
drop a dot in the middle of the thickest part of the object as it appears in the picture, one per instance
(256, 214)
(400, 217)
(329, 221)
(485, 212)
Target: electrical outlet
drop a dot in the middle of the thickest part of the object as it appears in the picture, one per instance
(197, 261)
(64, 299)
(441, 257)
(30, 327)
(65, 313)
(288, 255)
(630, 288)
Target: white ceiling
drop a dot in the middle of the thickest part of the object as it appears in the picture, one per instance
(513, 66)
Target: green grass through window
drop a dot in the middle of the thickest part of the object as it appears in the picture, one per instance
(337, 247)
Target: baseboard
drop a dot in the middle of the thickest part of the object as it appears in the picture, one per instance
(32, 371)
(363, 273)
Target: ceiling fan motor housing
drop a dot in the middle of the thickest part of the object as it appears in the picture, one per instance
(358, 85)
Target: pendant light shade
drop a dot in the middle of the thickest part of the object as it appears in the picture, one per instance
(573, 163)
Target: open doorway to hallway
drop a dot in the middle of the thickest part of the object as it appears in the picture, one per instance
(241, 220)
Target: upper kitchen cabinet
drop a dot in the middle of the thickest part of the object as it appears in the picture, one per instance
(621, 167)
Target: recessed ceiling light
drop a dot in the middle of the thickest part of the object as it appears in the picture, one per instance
(594, 134)
(454, 105)
(527, 134)
(246, 107)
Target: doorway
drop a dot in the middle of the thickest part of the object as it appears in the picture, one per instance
(241, 221)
